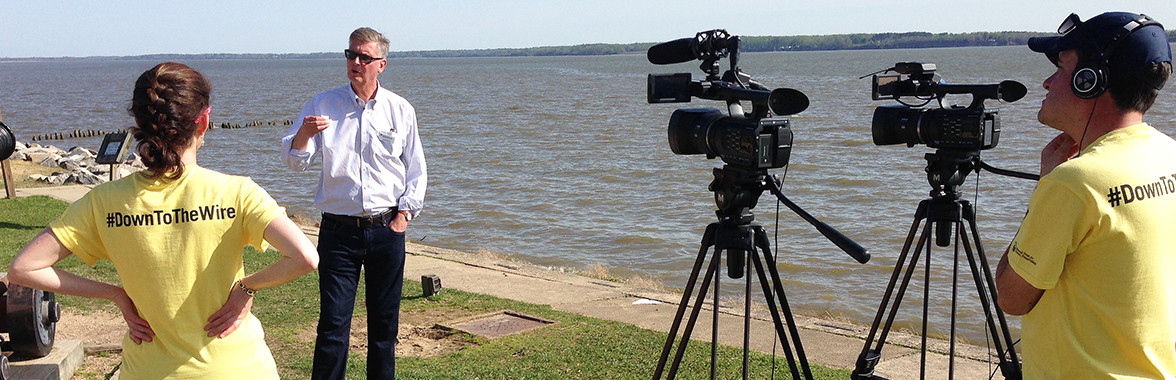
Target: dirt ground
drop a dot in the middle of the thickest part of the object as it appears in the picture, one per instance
(101, 334)
(21, 170)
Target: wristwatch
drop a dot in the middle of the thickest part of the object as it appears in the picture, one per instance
(246, 289)
(407, 216)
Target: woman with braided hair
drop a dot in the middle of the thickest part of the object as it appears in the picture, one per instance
(175, 233)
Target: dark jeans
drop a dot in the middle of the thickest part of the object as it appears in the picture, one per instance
(342, 251)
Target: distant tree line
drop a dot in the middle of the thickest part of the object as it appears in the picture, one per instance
(586, 49)
(910, 40)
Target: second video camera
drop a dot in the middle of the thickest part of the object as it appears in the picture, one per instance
(969, 128)
(753, 139)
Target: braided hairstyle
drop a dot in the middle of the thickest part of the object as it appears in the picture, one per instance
(167, 101)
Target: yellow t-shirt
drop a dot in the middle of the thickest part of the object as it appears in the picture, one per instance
(178, 246)
(1100, 239)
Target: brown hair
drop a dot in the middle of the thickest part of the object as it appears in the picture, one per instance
(1135, 90)
(167, 101)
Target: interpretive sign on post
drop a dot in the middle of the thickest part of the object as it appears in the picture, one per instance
(114, 147)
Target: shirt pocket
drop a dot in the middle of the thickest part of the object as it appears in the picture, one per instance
(392, 142)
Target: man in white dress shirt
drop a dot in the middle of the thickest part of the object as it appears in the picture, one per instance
(372, 184)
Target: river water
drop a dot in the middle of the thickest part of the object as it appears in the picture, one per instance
(559, 161)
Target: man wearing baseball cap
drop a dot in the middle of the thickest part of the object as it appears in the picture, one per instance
(1093, 267)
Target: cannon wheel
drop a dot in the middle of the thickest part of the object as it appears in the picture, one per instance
(5, 373)
(32, 320)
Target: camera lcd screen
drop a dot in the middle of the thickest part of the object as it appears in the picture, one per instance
(884, 86)
(669, 88)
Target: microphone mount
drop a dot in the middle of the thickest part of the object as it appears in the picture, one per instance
(711, 46)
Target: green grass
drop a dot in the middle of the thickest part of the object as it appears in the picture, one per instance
(576, 347)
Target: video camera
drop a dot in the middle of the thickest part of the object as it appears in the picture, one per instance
(753, 139)
(969, 128)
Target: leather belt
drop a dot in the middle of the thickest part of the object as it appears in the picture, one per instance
(380, 219)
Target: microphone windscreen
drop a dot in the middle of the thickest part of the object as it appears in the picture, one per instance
(1011, 90)
(786, 101)
(676, 51)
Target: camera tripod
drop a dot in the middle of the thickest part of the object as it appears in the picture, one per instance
(736, 193)
(946, 170)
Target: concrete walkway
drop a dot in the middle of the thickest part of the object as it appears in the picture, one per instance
(829, 343)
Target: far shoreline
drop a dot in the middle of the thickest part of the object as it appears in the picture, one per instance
(748, 44)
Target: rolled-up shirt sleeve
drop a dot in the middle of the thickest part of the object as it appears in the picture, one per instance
(415, 171)
(297, 159)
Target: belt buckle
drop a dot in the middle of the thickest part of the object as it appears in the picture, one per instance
(383, 217)
(368, 221)
(364, 221)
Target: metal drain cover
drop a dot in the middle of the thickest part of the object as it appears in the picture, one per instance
(497, 324)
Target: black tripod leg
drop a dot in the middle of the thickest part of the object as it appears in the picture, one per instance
(761, 239)
(1010, 366)
(926, 301)
(711, 272)
(747, 315)
(708, 239)
(869, 357)
(955, 290)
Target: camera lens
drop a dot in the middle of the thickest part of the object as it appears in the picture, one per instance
(688, 130)
(896, 125)
(753, 143)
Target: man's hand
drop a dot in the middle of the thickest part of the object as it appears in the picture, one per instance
(399, 224)
(229, 317)
(1061, 149)
(311, 125)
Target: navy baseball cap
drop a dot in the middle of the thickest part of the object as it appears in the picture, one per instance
(1131, 41)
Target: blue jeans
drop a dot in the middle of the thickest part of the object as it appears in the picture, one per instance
(343, 250)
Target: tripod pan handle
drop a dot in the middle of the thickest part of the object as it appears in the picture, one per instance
(846, 244)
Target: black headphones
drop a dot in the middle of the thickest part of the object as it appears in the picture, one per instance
(1090, 74)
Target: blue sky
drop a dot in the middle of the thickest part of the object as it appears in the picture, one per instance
(79, 28)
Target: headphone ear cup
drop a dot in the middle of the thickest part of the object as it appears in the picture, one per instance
(1088, 81)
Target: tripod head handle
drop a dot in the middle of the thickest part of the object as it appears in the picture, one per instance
(1009, 173)
(855, 250)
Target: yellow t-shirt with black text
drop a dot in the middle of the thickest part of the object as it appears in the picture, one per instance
(1100, 239)
(177, 246)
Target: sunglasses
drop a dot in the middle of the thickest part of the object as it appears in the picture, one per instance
(1072, 22)
(363, 58)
